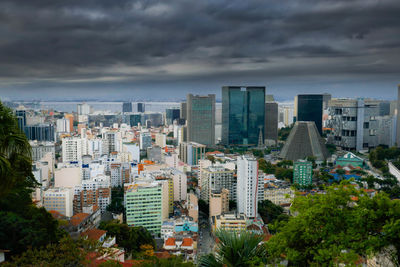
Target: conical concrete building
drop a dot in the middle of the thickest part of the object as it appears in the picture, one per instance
(304, 141)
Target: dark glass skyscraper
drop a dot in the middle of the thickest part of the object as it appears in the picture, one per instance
(309, 108)
(127, 107)
(140, 107)
(172, 114)
(40, 132)
(201, 119)
(243, 115)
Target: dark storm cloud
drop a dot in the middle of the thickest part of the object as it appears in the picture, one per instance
(69, 43)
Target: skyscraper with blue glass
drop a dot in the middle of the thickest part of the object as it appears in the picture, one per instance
(243, 115)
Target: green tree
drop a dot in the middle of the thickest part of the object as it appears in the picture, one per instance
(21, 223)
(130, 238)
(269, 212)
(337, 227)
(236, 249)
(266, 166)
(117, 200)
(65, 253)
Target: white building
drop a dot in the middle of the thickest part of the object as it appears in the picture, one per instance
(63, 125)
(73, 148)
(59, 199)
(84, 109)
(133, 149)
(180, 185)
(247, 179)
(40, 149)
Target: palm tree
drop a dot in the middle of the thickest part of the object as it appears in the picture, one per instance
(236, 249)
(15, 155)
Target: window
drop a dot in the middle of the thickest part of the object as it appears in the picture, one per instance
(366, 125)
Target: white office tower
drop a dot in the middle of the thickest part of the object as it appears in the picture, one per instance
(110, 142)
(63, 126)
(95, 147)
(145, 140)
(73, 148)
(59, 199)
(247, 179)
(133, 150)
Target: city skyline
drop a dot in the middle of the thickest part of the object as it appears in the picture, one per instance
(151, 50)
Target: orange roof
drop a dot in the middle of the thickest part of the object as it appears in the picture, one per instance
(354, 198)
(214, 152)
(170, 241)
(78, 218)
(187, 242)
(94, 234)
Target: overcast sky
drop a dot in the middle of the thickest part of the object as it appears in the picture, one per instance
(161, 50)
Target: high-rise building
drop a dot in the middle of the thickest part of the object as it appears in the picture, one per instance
(309, 108)
(40, 132)
(356, 124)
(271, 123)
(21, 116)
(219, 202)
(73, 148)
(110, 142)
(398, 118)
(126, 107)
(191, 152)
(183, 110)
(161, 140)
(243, 115)
(84, 109)
(59, 199)
(63, 125)
(201, 119)
(70, 117)
(302, 172)
(216, 178)
(140, 107)
(135, 119)
(145, 140)
(144, 205)
(247, 180)
(172, 114)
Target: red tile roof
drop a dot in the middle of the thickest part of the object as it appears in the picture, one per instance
(56, 214)
(78, 218)
(170, 241)
(94, 234)
(187, 242)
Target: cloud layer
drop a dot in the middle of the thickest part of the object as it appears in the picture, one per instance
(197, 44)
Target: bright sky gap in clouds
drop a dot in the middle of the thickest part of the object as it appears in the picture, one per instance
(157, 50)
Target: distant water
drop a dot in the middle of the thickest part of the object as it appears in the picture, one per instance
(108, 106)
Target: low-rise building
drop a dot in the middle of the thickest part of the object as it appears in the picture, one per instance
(229, 221)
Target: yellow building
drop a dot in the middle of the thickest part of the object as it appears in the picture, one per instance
(230, 222)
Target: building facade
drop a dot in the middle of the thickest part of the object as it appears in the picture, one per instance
(201, 119)
(271, 124)
(302, 172)
(309, 108)
(247, 183)
(243, 115)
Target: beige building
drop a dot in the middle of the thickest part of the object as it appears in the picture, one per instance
(278, 195)
(59, 199)
(192, 206)
(229, 221)
(67, 176)
(161, 140)
(219, 202)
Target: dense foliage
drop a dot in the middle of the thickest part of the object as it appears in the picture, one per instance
(21, 223)
(65, 253)
(130, 238)
(340, 226)
(117, 200)
(281, 170)
(270, 212)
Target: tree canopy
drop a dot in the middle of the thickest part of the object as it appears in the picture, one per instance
(130, 238)
(21, 223)
(341, 226)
